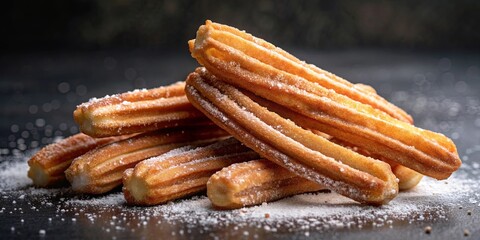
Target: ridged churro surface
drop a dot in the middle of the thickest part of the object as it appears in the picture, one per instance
(254, 182)
(180, 172)
(101, 169)
(137, 111)
(285, 143)
(319, 100)
(47, 166)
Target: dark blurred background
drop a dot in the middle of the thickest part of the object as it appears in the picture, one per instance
(168, 24)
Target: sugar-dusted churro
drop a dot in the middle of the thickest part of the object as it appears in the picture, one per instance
(180, 172)
(407, 178)
(258, 181)
(137, 111)
(254, 182)
(285, 143)
(48, 165)
(218, 44)
(101, 169)
(331, 105)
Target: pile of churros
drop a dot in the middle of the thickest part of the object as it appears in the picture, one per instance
(253, 124)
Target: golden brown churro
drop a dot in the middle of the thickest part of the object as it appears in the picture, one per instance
(407, 178)
(47, 166)
(254, 182)
(296, 128)
(283, 142)
(101, 169)
(331, 105)
(258, 181)
(137, 111)
(180, 172)
(218, 44)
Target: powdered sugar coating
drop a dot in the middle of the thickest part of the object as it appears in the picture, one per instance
(237, 104)
(314, 211)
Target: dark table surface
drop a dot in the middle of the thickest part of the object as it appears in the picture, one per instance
(39, 92)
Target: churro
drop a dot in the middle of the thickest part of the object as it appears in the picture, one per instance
(407, 178)
(180, 172)
(285, 143)
(101, 169)
(137, 111)
(316, 99)
(218, 44)
(258, 181)
(254, 182)
(47, 166)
